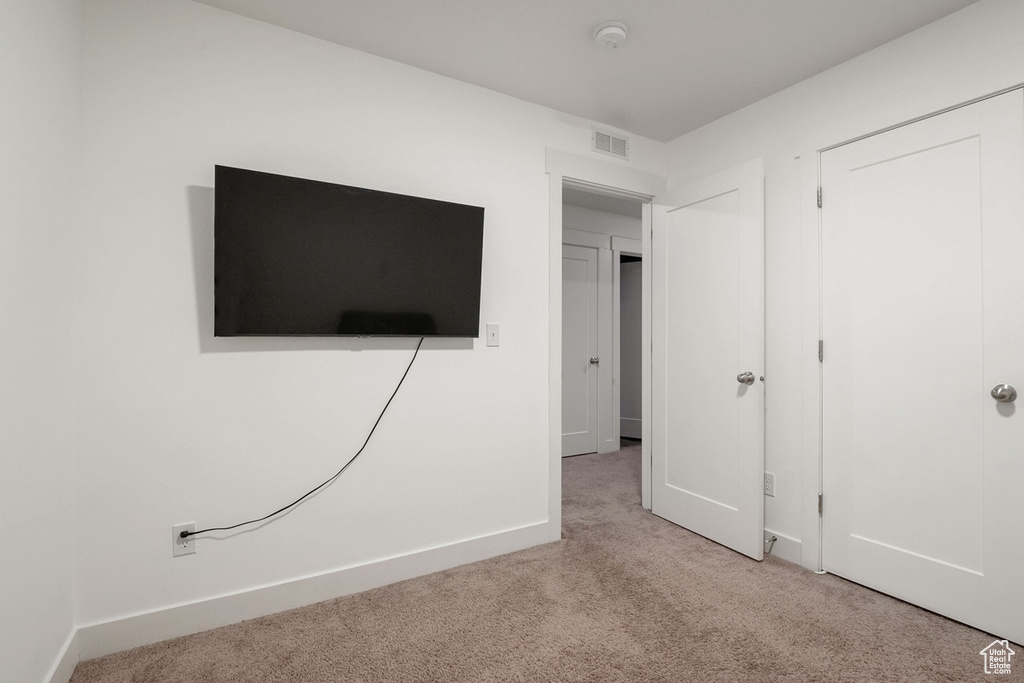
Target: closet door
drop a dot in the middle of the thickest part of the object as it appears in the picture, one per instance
(923, 328)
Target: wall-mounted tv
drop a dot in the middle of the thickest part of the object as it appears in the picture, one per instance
(309, 258)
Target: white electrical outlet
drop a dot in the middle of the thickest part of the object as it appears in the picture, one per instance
(769, 484)
(179, 545)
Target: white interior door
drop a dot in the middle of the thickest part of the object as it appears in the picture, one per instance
(579, 346)
(922, 315)
(708, 335)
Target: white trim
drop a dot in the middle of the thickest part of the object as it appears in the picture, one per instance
(810, 523)
(607, 425)
(625, 245)
(116, 635)
(633, 422)
(583, 238)
(616, 389)
(646, 397)
(555, 352)
(603, 190)
(785, 547)
(64, 667)
(600, 176)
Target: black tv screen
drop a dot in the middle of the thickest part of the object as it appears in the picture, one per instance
(309, 258)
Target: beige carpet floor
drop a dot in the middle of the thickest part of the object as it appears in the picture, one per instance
(625, 596)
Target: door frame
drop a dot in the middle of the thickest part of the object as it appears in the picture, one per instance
(812, 523)
(629, 247)
(617, 181)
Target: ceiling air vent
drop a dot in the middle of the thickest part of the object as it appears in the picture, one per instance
(609, 144)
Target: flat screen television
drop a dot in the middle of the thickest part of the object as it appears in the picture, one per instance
(295, 257)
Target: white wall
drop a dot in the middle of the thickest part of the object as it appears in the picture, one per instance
(178, 426)
(969, 54)
(39, 79)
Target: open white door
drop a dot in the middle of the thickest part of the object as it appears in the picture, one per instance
(708, 358)
(922, 317)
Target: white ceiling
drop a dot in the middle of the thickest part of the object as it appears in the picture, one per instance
(685, 63)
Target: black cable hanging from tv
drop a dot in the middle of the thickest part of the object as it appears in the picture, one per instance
(186, 534)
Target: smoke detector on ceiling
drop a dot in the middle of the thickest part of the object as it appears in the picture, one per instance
(610, 34)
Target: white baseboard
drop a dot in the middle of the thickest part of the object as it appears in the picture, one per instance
(103, 638)
(785, 547)
(631, 427)
(65, 665)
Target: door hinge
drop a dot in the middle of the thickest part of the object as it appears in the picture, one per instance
(819, 197)
(819, 504)
(821, 350)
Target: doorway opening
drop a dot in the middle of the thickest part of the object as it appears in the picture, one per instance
(630, 362)
(573, 172)
(602, 322)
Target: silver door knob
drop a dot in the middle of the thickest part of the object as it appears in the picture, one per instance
(1004, 393)
(595, 361)
(745, 378)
